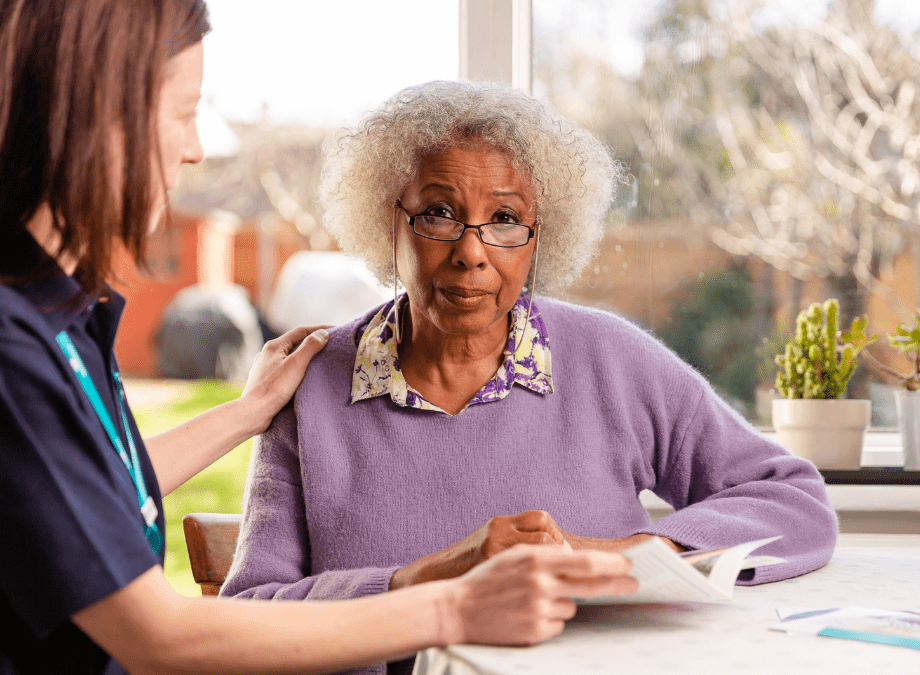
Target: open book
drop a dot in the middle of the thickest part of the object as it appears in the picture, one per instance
(695, 576)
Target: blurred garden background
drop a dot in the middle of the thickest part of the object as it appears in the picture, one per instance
(160, 405)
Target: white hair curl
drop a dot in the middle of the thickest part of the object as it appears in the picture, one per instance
(366, 168)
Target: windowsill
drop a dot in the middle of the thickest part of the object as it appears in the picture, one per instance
(881, 448)
(881, 509)
(889, 509)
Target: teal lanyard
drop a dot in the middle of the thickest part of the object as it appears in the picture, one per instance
(148, 507)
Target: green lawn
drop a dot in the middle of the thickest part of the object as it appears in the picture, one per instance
(219, 488)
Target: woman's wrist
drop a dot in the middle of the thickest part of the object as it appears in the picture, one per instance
(614, 545)
(254, 412)
(436, 609)
(400, 579)
(235, 422)
(443, 564)
(447, 603)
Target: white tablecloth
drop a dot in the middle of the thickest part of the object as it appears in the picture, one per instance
(734, 637)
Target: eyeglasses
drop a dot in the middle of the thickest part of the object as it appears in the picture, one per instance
(441, 228)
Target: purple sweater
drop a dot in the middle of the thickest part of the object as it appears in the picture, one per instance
(340, 495)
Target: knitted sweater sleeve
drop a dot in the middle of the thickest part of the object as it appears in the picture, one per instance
(272, 559)
(728, 484)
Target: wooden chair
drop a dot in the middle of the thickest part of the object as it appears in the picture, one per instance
(211, 541)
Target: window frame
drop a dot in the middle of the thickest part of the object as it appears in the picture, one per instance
(495, 42)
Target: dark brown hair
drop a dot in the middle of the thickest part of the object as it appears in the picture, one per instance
(79, 85)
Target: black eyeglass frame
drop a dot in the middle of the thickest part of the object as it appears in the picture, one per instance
(531, 231)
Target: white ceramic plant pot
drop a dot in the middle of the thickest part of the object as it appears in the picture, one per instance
(907, 403)
(827, 432)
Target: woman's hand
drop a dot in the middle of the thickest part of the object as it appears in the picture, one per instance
(180, 453)
(614, 545)
(496, 535)
(278, 370)
(524, 595)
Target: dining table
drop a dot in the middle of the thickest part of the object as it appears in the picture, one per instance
(735, 636)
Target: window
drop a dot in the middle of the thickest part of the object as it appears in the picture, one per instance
(772, 155)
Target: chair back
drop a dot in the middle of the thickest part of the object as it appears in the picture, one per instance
(211, 541)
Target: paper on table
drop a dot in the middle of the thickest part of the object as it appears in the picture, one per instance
(664, 576)
(901, 629)
(788, 613)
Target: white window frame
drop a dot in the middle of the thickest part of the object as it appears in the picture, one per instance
(495, 42)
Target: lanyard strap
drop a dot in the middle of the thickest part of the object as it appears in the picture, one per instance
(132, 463)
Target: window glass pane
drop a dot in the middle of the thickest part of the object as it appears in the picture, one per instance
(324, 63)
(771, 149)
(280, 77)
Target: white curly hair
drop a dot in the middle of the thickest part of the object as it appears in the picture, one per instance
(366, 168)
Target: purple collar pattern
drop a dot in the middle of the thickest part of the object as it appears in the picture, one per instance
(527, 363)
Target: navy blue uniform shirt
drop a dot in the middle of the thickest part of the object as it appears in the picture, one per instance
(72, 529)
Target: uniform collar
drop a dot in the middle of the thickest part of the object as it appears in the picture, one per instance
(58, 298)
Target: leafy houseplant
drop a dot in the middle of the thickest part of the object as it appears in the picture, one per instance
(906, 340)
(813, 421)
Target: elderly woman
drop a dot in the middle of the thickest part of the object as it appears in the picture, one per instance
(469, 415)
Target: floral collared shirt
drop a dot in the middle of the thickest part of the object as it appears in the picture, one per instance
(527, 362)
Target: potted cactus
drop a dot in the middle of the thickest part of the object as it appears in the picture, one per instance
(813, 420)
(906, 340)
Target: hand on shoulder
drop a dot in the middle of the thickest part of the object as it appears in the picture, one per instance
(278, 370)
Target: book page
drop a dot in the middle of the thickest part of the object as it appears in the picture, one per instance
(665, 576)
(726, 568)
(707, 561)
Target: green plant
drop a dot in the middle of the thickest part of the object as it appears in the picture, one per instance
(905, 339)
(818, 362)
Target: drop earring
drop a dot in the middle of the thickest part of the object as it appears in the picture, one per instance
(533, 282)
(396, 332)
